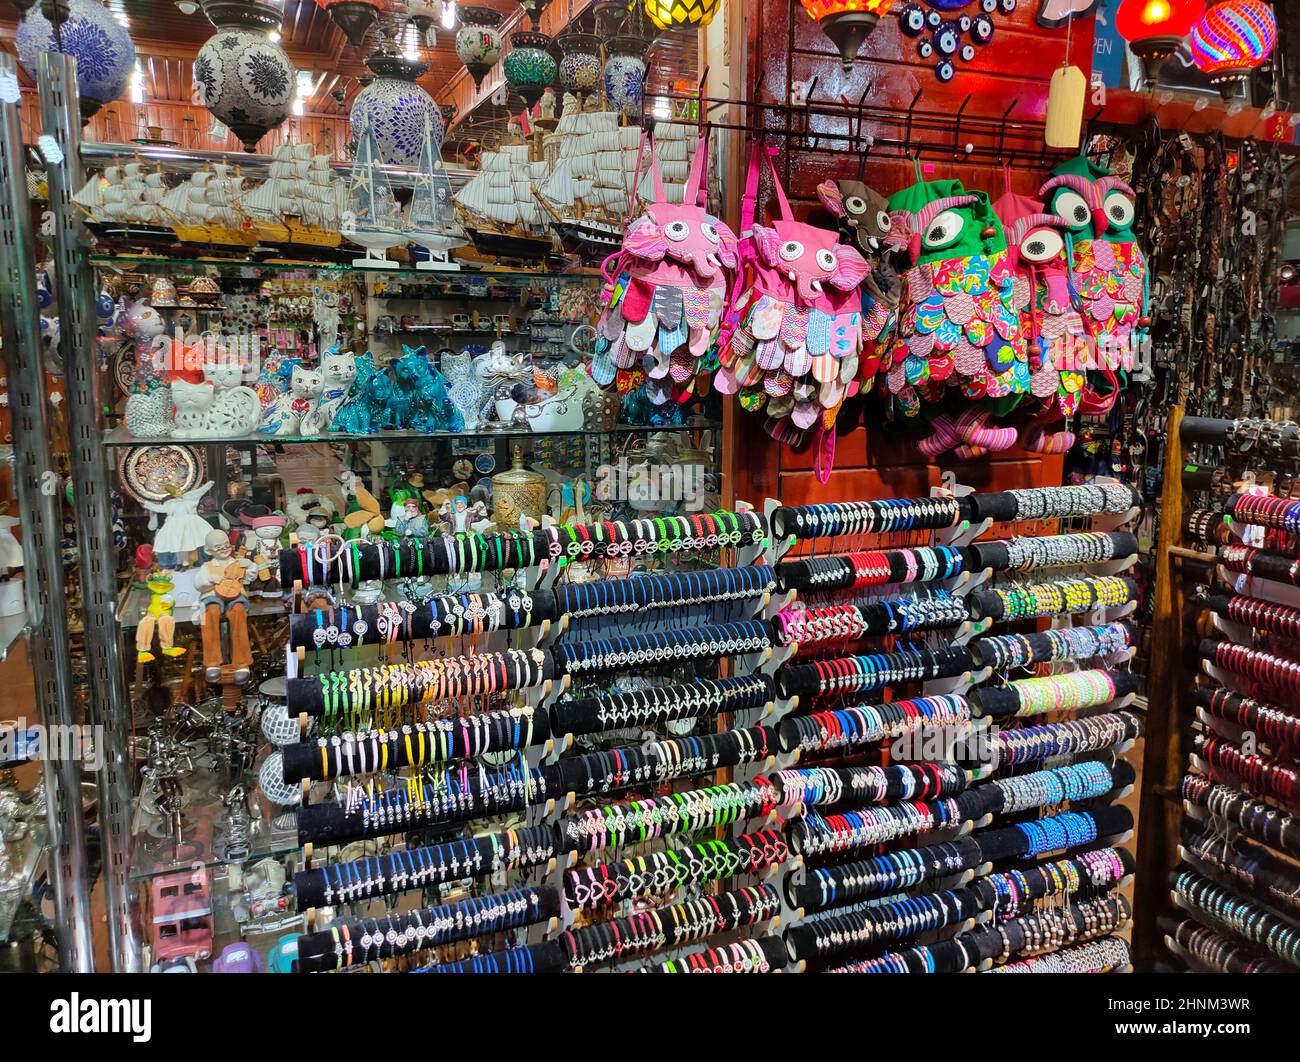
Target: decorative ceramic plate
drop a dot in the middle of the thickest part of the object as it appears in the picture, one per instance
(147, 471)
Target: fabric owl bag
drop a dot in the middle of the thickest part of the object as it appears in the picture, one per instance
(1108, 271)
(794, 333)
(958, 330)
(665, 292)
(1036, 244)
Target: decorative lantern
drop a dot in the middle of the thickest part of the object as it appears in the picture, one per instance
(625, 73)
(240, 75)
(395, 108)
(423, 13)
(847, 22)
(669, 14)
(353, 17)
(1155, 28)
(529, 66)
(102, 46)
(448, 112)
(580, 67)
(478, 41)
(609, 16)
(533, 9)
(1232, 39)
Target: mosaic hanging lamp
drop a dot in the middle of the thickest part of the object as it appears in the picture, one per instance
(848, 23)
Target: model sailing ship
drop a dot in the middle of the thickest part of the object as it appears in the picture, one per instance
(589, 194)
(204, 210)
(431, 217)
(300, 204)
(503, 215)
(372, 218)
(124, 205)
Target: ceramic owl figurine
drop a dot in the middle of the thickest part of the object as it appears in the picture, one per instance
(796, 346)
(1108, 271)
(665, 295)
(1036, 245)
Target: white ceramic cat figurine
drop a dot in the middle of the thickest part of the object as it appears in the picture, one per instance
(337, 371)
(284, 416)
(213, 404)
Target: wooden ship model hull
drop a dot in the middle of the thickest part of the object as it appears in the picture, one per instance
(216, 237)
(130, 235)
(592, 241)
(504, 244)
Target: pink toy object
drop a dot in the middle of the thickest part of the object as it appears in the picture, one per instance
(665, 293)
(182, 915)
(794, 336)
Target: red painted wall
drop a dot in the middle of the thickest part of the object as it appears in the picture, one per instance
(785, 46)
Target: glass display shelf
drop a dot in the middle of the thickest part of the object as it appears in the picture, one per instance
(134, 600)
(157, 851)
(23, 857)
(469, 278)
(11, 629)
(120, 437)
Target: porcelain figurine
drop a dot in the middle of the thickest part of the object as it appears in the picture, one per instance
(288, 413)
(338, 370)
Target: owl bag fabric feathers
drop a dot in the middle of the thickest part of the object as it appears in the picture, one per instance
(793, 336)
(958, 327)
(665, 294)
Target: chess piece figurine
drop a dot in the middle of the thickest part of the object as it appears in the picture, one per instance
(157, 619)
(221, 582)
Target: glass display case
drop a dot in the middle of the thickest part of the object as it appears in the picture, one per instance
(269, 429)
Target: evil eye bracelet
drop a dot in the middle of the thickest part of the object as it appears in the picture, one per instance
(1243, 917)
(1032, 744)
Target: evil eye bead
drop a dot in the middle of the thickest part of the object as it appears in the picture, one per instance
(911, 20)
(946, 38)
(933, 18)
(925, 49)
(791, 250)
(1007, 6)
(963, 23)
(981, 29)
(677, 231)
(988, 6)
(967, 52)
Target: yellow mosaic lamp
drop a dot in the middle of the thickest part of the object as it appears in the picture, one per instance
(670, 14)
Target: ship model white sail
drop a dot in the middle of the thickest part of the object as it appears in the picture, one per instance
(204, 210)
(372, 217)
(124, 204)
(504, 218)
(589, 193)
(431, 217)
(675, 145)
(300, 203)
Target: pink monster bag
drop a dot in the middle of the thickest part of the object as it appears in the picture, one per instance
(794, 334)
(665, 293)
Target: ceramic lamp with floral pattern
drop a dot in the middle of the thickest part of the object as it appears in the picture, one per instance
(478, 41)
(242, 76)
(102, 47)
(396, 108)
(580, 66)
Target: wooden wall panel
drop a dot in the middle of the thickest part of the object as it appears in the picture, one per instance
(785, 46)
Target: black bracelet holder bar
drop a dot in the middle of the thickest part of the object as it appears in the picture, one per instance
(435, 559)
(546, 957)
(996, 555)
(1226, 704)
(1276, 567)
(773, 949)
(578, 774)
(302, 759)
(302, 625)
(582, 715)
(1004, 507)
(646, 643)
(309, 885)
(306, 696)
(1040, 647)
(1265, 824)
(980, 895)
(804, 680)
(328, 823)
(793, 575)
(1000, 845)
(1001, 702)
(986, 604)
(1220, 603)
(316, 950)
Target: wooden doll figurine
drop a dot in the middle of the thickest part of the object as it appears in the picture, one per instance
(221, 582)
